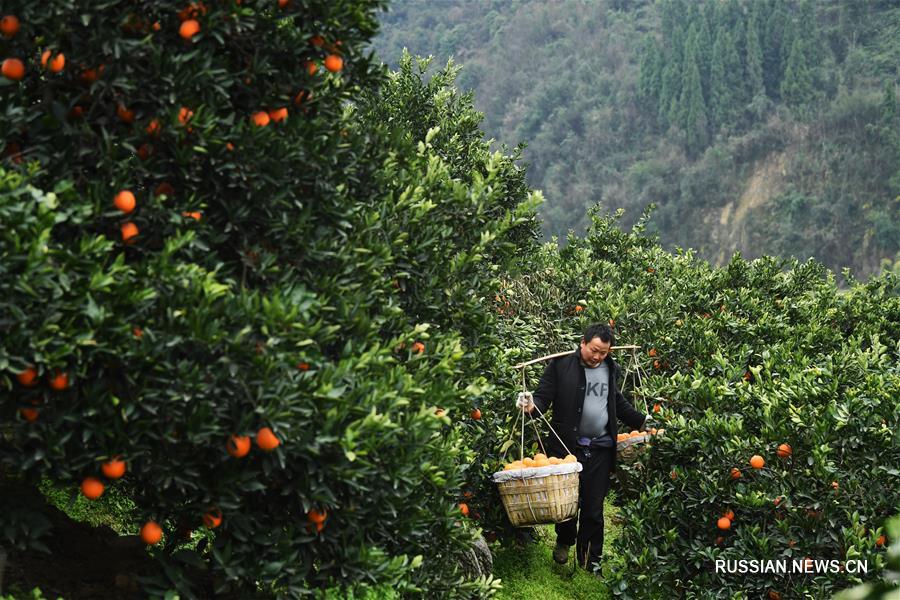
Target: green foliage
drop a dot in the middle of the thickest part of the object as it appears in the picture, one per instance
(331, 290)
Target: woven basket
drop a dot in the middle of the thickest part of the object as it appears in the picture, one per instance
(538, 500)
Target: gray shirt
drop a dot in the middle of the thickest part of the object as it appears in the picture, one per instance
(595, 414)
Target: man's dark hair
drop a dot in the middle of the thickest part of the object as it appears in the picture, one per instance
(601, 331)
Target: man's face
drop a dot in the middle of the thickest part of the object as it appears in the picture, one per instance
(594, 352)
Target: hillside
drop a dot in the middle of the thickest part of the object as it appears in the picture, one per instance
(783, 153)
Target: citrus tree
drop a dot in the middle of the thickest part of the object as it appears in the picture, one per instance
(237, 292)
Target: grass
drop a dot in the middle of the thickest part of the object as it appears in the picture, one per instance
(529, 573)
(114, 509)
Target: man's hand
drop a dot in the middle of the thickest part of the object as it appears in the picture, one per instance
(649, 423)
(525, 402)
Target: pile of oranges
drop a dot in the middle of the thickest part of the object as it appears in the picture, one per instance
(538, 460)
(622, 437)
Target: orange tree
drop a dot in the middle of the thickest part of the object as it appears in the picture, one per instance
(765, 358)
(225, 268)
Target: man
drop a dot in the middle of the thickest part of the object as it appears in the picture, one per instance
(583, 392)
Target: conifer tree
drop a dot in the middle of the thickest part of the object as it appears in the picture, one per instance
(797, 86)
(772, 48)
(720, 96)
(650, 74)
(692, 110)
(753, 57)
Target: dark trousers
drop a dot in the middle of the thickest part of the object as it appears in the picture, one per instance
(593, 483)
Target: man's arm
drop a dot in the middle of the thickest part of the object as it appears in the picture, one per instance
(546, 390)
(628, 414)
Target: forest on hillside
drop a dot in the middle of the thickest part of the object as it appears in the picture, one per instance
(765, 127)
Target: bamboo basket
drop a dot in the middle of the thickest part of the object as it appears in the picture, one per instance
(532, 498)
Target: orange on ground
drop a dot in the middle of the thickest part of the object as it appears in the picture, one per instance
(29, 414)
(476, 414)
(212, 518)
(260, 119)
(784, 450)
(124, 201)
(54, 65)
(13, 68)
(238, 446)
(9, 25)
(189, 29)
(60, 381)
(723, 523)
(151, 533)
(277, 115)
(114, 468)
(757, 462)
(266, 439)
(92, 488)
(418, 347)
(334, 63)
(129, 232)
(317, 516)
(28, 377)
(464, 509)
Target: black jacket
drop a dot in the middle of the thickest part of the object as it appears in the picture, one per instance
(562, 388)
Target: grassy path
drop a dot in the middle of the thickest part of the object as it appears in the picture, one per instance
(529, 573)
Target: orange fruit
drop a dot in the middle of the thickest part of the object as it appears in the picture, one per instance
(144, 151)
(124, 201)
(303, 366)
(189, 29)
(212, 518)
(723, 523)
(651, 352)
(283, 3)
(757, 462)
(124, 114)
(735, 473)
(184, 115)
(196, 215)
(316, 516)
(29, 414)
(266, 439)
(317, 40)
(151, 533)
(673, 475)
(153, 127)
(773, 595)
(311, 67)
(657, 407)
(555, 460)
(418, 347)
(277, 115)
(238, 446)
(719, 540)
(334, 63)
(114, 468)
(881, 540)
(129, 232)
(92, 488)
(729, 514)
(579, 308)
(9, 25)
(28, 377)
(260, 119)
(777, 501)
(476, 414)
(13, 68)
(784, 450)
(54, 65)
(570, 458)
(59, 381)
(464, 509)
(229, 146)
(164, 188)
(528, 462)
(834, 485)
(138, 332)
